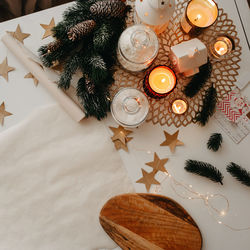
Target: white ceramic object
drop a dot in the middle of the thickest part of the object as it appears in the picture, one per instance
(154, 13)
(188, 56)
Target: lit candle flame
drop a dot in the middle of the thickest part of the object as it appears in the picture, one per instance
(197, 17)
(177, 107)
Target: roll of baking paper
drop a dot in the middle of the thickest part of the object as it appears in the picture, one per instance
(28, 59)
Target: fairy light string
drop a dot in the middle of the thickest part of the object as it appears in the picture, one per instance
(206, 198)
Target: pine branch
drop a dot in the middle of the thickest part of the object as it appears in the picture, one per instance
(60, 31)
(95, 67)
(60, 54)
(239, 173)
(198, 81)
(92, 50)
(95, 103)
(102, 39)
(214, 142)
(208, 106)
(204, 169)
(70, 68)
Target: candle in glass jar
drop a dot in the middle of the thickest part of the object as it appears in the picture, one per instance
(159, 82)
(162, 79)
(221, 47)
(199, 13)
(179, 106)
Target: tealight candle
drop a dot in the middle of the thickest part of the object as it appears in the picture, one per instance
(199, 14)
(179, 107)
(159, 82)
(221, 47)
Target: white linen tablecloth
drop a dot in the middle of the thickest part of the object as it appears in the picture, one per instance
(55, 175)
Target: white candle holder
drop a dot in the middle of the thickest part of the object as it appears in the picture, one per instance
(154, 13)
(188, 56)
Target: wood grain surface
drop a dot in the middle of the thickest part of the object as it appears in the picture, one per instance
(149, 222)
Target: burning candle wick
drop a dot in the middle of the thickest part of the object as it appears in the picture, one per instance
(197, 18)
(179, 106)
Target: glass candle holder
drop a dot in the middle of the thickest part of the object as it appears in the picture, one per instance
(159, 82)
(179, 106)
(198, 15)
(129, 107)
(221, 47)
(137, 48)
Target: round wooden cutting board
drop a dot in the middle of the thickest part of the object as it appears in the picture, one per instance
(149, 222)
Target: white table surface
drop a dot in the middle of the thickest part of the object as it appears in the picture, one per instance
(22, 97)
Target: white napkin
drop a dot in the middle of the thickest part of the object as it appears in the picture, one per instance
(55, 175)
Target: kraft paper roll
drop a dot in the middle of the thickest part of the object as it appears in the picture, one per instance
(30, 62)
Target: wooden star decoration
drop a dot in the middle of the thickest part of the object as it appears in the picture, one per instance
(158, 164)
(3, 113)
(120, 133)
(120, 145)
(5, 69)
(172, 141)
(148, 179)
(120, 138)
(18, 34)
(29, 75)
(48, 28)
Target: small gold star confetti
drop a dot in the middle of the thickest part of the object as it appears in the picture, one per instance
(148, 179)
(18, 34)
(29, 75)
(120, 138)
(48, 28)
(5, 69)
(172, 141)
(3, 113)
(120, 145)
(158, 164)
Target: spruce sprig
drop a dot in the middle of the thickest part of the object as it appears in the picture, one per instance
(198, 81)
(239, 173)
(214, 142)
(204, 169)
(208, 106)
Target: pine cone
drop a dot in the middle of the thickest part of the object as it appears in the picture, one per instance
(53, 46)
(108, 8)
(81, 29)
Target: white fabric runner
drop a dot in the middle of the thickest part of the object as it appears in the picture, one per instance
(55, 175)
